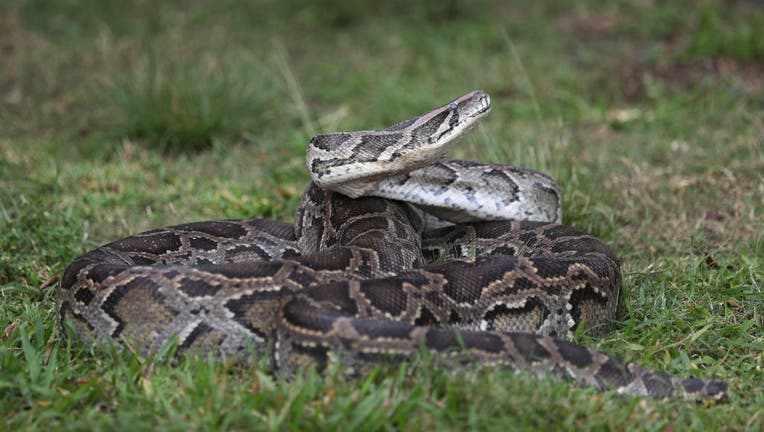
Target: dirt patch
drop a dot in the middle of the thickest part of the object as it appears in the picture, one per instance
(626, 59)
(590, 25)
(720, 209)
(750, 76)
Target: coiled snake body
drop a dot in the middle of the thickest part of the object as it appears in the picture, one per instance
(363, 275)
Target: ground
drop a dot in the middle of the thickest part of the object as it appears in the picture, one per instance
(116, 118)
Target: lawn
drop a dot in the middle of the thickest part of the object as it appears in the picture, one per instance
(118, 117)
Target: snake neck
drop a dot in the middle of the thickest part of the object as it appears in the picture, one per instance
(328, 221)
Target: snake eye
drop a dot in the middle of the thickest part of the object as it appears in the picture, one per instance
(453, 106)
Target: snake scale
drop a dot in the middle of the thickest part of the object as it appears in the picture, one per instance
(394, 250)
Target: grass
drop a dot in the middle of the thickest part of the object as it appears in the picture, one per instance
(116, 119)
(181, 108)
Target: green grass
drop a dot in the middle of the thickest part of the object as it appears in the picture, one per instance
(116, 118)
(181, 108)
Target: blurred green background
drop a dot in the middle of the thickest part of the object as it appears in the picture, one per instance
(117, 117)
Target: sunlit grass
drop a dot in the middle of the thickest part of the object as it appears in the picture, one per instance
(117, 120)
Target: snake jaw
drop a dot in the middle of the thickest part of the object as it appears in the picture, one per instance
(440, 128)
(463, 114)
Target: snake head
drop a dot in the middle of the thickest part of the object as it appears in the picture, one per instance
(349, 162)
(442, 126)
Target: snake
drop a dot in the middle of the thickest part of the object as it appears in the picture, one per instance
(395, 251)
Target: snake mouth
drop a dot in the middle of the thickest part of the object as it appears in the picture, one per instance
(462, 115)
